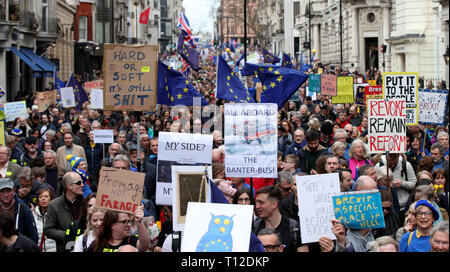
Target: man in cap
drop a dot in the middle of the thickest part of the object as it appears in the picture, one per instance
(31, 153)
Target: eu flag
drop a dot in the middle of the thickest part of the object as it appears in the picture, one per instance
(78, 91)
(229, 86)
(174, 89)
(287, 61)
(279, 84)
(251, 69)
(269, 57)
(190, 55)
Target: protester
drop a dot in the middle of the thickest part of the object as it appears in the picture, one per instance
(94, 221)
(44, 197)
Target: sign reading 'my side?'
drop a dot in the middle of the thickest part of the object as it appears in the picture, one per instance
(251, 140)
(387, 126)
(130, 77)
(403, 85)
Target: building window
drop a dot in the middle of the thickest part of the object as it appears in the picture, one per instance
(102, 32)
(371, 17)
(44, 22)
(14, 10)
(2, 10)
(83, 27)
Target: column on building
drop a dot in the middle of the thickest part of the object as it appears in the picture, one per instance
(316, 40)
(386, 36)
(355, 37)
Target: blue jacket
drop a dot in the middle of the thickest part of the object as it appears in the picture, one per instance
(94, 156)
(25, 223)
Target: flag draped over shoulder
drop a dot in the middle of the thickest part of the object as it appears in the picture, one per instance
(229, 86)
(78, 91)
(174, 89)
(189, 54)
(278, 84)
(269, 57)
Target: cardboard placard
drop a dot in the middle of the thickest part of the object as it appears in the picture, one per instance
(387, 126)
(120, 190)
(45, 99)
(130, 77)
(328, 84)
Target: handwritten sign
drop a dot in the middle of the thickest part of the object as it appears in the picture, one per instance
(130, 77)
(344, 90)
(314, 83)
(15, 109)
(403, 85)
(103, 136)
(432, 106)
(67, 97)
(315, 206)
(96, 97)
(120, 190)
(360, 93)
(387, 126)
(328, 84)
(359, 210)
(45, 99)
(96, 84)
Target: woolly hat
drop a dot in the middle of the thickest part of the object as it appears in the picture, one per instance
(17, 132)
(424, 202)
(74, 161)
(84, 176)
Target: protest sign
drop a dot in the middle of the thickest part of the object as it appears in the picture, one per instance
(179, 149)
(314, 83)
(387, 126)
(372, 82)
(403, 85)
(251, 140)
(96, 96)
(359, 210)
(373, 92)
(315, 206)
(15, 109)
(432, 106)
(189, 185)
(119, 190)
(45, 99)
(67, 97)
(96, 84)
(2, 133)
(130, 77)
(103, 136)
(344, 90)
(328, 84)
(360, 93)
(212, 227)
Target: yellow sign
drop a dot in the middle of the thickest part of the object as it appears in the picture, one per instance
(2, 133)
(372, 82)
(145, 69)
(344, 90)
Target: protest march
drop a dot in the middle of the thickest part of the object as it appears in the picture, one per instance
(233, 150)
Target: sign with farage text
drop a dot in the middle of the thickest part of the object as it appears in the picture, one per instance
(130, 77)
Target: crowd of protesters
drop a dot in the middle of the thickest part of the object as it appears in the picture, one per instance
(49, 172)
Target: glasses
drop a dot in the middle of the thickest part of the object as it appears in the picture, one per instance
(78, 182)
(286, 189)
(271, 247)
(124, 222)
(426, 214)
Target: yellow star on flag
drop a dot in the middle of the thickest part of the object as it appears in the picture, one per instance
(179, 96)
(185, 89)
(272, 84)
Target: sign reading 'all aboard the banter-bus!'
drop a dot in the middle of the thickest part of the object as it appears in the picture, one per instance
(251, 140)
(387, 126)
(403, 85)
(130, 77)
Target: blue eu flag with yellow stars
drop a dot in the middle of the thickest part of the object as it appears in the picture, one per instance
(251, 69)
(279, 84)
(78, 91)
(287, 61)
(229, 86)
(189, 54)
(174, 89)
(269, 57)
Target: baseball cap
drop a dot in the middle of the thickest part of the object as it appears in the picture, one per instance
(6, 183)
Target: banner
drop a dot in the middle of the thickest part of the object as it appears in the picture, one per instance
(251, 140)
(119, 190)
(403, 85)
(314, 83)
(45, 99)
(432, 106)
(67, 97)
(315, 206)
(359, 210)
(344, 90)
(14, 110)
(328, 84)
(387, 126)
(179, 149)
(130, 77)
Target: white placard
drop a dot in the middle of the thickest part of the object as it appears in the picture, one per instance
(432, 106)
(67, 97)
(103, 136)
(96, 98)
(212, 227)
(186, 182)
(315, 205)
(251, 140)
(179, 149)
(15, 109)
(403, 85)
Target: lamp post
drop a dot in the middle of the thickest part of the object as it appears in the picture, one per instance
(136, 3)
(446, 56)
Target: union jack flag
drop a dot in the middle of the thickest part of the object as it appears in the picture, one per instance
(185, 27)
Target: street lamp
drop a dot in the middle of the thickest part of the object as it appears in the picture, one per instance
(446, 56)
(136, 4)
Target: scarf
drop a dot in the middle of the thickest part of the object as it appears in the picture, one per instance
(359, 242)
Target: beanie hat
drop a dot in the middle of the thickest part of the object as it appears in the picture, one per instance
(74, 161)
(17, 132)
(424, 202)
(84, 176)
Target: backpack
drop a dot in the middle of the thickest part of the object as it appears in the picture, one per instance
(404, 173)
